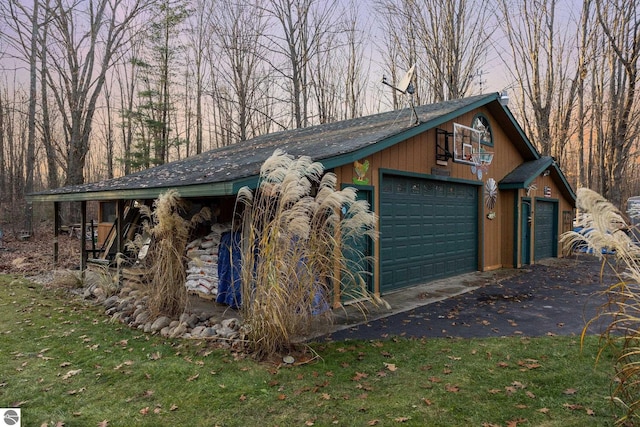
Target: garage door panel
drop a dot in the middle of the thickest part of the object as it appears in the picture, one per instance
(428, 230)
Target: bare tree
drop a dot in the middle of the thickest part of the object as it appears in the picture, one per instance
(446, 39)
(539, 61)
(46, 128)
(198, 40)
(398, 47)
(238, 30)
(301, 26)
(621, 28)
(3, 164)
(584, 41)
(25, 23)
(86, 39)
(356, 66)
(126, 75)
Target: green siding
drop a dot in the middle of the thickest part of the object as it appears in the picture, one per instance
(428, 230)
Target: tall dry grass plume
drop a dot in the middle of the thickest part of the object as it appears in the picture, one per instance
(605, 234)
(166, 261)
(293, 229)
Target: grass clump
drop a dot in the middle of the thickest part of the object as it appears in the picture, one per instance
(604, 232)
(293, 254)
(166, 261)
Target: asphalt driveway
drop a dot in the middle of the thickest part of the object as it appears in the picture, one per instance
(554, 297)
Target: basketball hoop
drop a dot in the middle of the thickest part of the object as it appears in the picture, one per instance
(481, 161)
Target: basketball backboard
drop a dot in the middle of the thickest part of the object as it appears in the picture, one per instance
(466, 143)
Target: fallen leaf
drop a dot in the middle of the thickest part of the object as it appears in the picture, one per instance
(71, 374)
(494, 391)
(144, 411)
(543, 410)
(242, 398)
(452, 388)
(530, 395)
(173, 408)
(358, 376)
(570, 391)
(103, 423)
(373, 422)
(514, 423)
(157, 410)
(510, 389)
(427, 402)
(572, 406)
(282, 396)
(402, 419)
(435, 379)
(590, 412)
(309, 423)
(521, 406)
(193, 378)
(518, 384)
(391, 367)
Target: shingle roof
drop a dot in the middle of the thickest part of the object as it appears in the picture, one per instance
(523, 175)
(223, 170)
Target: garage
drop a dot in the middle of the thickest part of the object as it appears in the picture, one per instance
(546, 229)
(428, 230)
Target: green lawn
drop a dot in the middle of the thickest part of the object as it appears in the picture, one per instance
(65, 363)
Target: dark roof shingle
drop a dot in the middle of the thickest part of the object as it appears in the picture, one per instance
(216, 171)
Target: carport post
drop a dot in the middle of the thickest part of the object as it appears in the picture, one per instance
(83, 238)
(56, 231)
(120, 225)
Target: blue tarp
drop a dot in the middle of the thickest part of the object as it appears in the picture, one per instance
(229, 266)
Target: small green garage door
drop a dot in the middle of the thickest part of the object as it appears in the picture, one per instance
(428, 230)
(546, 229)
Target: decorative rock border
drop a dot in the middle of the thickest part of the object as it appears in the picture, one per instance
(129, 306)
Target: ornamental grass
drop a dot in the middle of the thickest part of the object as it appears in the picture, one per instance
(603, 231)
(296, 229)
(169, 232)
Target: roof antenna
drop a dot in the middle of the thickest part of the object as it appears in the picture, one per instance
(405, 87)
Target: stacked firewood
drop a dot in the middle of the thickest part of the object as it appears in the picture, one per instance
(202, 269)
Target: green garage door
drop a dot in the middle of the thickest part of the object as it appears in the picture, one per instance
(546, 230)
(428, 230)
